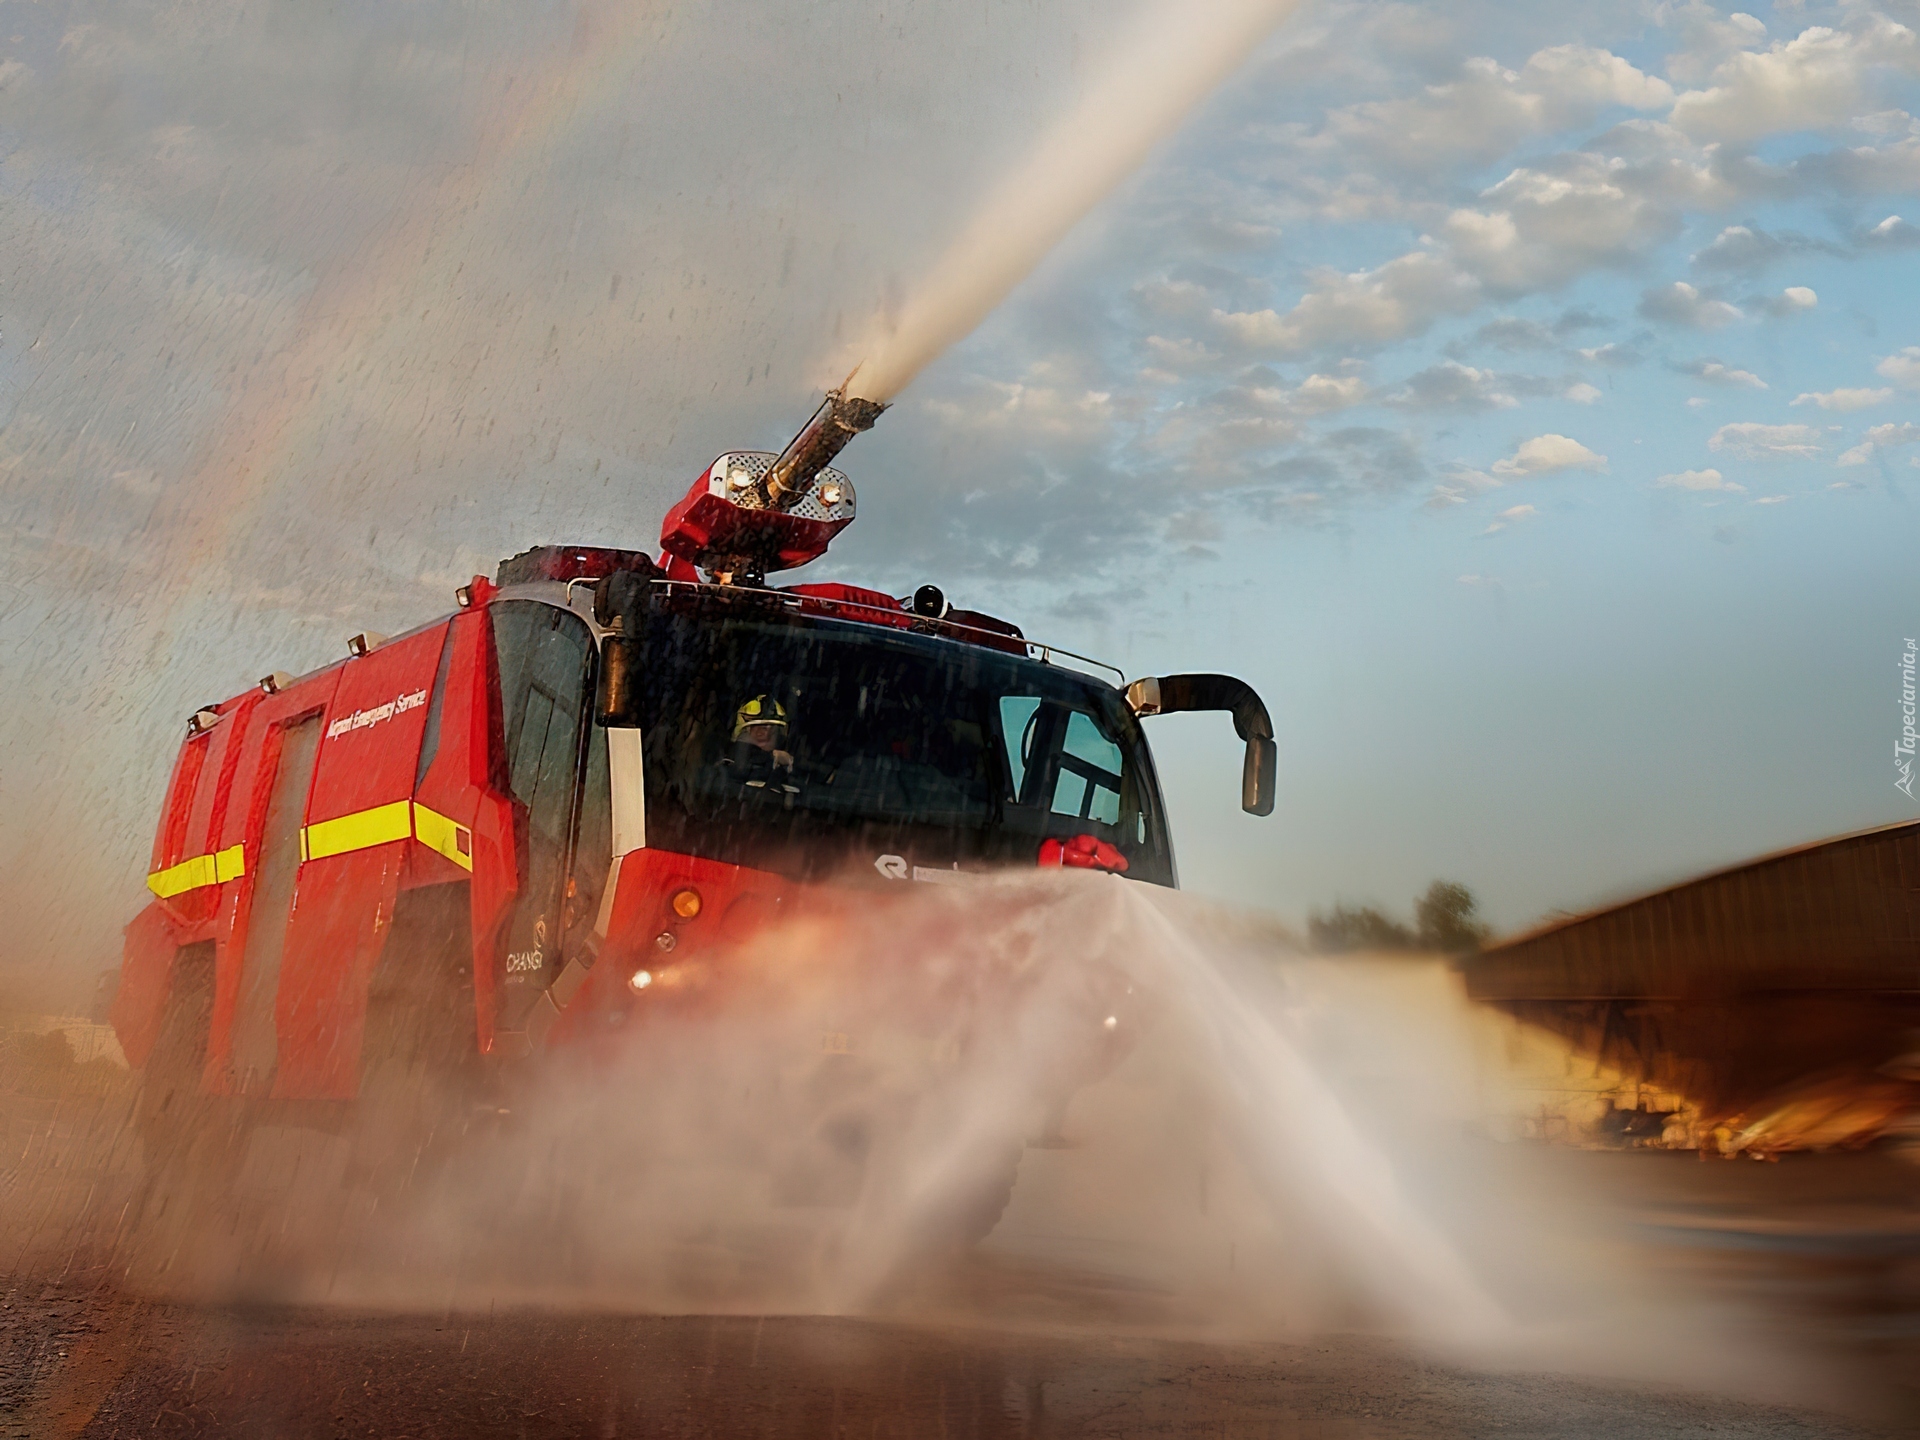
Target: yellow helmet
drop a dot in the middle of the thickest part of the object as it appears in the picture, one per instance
(761, 710)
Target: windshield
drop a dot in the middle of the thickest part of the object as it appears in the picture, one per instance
(809, 746)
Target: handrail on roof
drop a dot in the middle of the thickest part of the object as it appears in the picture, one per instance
(994, 637)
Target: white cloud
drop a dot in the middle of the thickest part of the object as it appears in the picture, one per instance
(1320, 394)
(1902, 368)
(1171, 299)
(1843, 401)
(1486, 108)
(1696, 402)
(1581, 393)
(1700, 480)
(1888, 436)
(1716, 373)
(1174, 357)
(1518, 512)
(1683, 304)
(1032, 410)
(1751, 440)
(1401, 298)
(1613, 355)
(1892, 233)
(1546, 223)
(1881, 437)
(1794, 300)
(1274, 406)
(1707, 37)
(1548, 455)
(1452, 386)
(1772, 499)
(1815, 81)
(1744, 247)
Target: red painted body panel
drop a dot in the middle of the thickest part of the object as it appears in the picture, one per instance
(146, 974)
(246, 816)
(343, 903)
(876, 607)
(374, 724)
(704, 525)
(170, 840)
(465, 781)
(736, 907)
(341, 913)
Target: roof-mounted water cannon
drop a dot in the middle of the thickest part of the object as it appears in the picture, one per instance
(839, 418)
(751, 512)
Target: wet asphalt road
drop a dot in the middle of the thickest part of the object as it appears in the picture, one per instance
(82, 1356)
(104, 1366)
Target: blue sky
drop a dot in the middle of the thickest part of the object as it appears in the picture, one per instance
(1541, 441)
(1524, 397)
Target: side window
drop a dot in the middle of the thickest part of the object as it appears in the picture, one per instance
(1018, 714)
(593, 848)
(1088, 784)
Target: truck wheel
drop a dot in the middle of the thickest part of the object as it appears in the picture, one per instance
(420, 1077)
(190, 1143)
(977, 1208)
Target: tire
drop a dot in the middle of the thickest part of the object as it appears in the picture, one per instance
(420, 1076)
(973, 1213)
(191, 1143)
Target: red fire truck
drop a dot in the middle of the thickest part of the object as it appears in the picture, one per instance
(463, 845)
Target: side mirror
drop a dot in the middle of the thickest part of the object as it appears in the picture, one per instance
(621, 602)
(1168, 694)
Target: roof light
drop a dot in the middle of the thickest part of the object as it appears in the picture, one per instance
(276, 682)
(366, 640)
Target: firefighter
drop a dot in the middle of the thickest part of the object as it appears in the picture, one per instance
(759, 739)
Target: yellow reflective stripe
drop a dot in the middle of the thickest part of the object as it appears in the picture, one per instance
(178, 879)
(201, 870)
(229, 864)
(448, 837)
(358, 831)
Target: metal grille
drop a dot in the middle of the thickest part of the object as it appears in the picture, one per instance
(809, 507)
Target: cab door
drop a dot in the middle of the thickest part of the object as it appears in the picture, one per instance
(545, 662)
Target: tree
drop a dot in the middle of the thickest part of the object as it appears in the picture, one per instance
(1357, 927)
(1445, 915)
(1444, 921)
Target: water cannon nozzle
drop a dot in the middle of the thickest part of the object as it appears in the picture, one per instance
(839, 418)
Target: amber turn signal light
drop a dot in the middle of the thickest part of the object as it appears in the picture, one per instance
(686, 903)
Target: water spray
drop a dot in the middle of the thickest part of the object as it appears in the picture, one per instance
(1169, 65)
